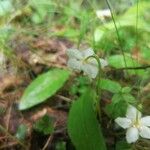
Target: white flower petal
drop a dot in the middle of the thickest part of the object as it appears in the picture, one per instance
(145, 132)
(146, 121)
(90, 70)
(132, 135)
(103, 62)
(132, 112)
(74, 64)
(88, 52)
(74, 53)
(123, 122)
(103, 13)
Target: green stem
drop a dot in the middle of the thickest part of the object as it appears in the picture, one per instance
(137, 16)
(97, 81)
(117, 31)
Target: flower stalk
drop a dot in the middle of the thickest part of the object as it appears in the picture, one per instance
(88, 62)
(97, 84)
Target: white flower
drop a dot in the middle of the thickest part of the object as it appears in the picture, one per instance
(77, 60)
(102, 14)
(135, 124)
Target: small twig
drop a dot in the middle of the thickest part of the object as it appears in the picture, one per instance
(47, 142)
(49, 139)
(8, 117)
(64, 98)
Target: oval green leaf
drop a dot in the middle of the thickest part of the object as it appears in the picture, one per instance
(110, 85)
(43, 87)
(117, 61)
(83, 127)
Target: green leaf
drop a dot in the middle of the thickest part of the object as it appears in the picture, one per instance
(117, 61)
(125, 22)
(79, 85)
(122, 145)
(117, 109)
(129, 98)
(21, 132)
(42, 8)
(44, 125)
(126, 90)
(119, 104)
(61, 146)
(85, 21)
(43, 87)
(83, 127)
(98, 34)
(129, 18)
(109, 85)
(117, 98)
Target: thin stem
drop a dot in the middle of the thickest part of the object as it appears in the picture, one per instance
(117, 32)
(99, 71)
(64, 98)
(132, 68)
(137, 16)
(98, 79)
